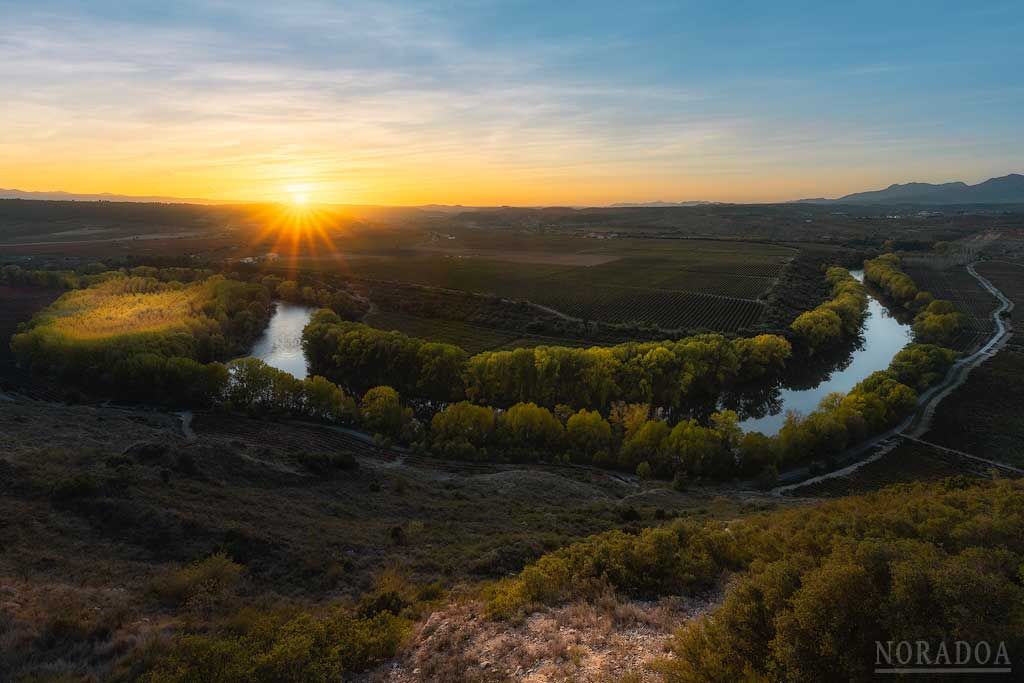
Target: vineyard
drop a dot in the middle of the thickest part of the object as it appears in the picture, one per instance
(675, 285)
(669, 310)
(954, 283)
(1007, 276)
(472, 338)
(909, 462)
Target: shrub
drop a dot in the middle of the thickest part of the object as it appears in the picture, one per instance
(283, 647)
(323, 463)
(75, 486)
(202, 583)
(680, 558)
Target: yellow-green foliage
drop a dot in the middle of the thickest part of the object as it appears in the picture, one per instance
(838, 318)
(282, 647)
(129, 326)
(937, 320)
(817, 586)
(130, 305)
(677, 559)
(209, 579)
(668, 373)
(885, 273)
(918, 562)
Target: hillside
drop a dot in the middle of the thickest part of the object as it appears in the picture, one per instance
(1007, 189)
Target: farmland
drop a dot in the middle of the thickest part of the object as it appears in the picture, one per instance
(952, 282)
(669, 284)
(472, 338)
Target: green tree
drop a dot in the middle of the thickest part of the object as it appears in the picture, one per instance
(381, 411)
(587, 434)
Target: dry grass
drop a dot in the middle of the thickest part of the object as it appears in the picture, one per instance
(609, 639)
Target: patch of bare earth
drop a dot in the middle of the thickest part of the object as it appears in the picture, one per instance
(605, 640)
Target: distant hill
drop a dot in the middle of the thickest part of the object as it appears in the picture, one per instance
(1008, 189)
(655, 205)
(59, 196)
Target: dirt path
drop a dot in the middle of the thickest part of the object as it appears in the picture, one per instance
(186, 424)
(920, 421)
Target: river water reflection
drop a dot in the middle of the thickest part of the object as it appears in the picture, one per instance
(883, 337)
(281, 343)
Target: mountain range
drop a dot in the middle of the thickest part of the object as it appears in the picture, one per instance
(58, 196)
(1008, 189)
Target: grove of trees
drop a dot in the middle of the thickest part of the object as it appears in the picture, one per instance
(670, 374)
(836, 319)
(936, 321)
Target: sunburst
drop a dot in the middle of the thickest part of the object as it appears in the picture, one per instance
(300, 229)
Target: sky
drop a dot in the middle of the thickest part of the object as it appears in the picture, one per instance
(519, 103)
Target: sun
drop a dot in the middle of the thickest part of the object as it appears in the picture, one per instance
(298, 195)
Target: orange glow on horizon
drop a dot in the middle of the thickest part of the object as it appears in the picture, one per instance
(298, 229)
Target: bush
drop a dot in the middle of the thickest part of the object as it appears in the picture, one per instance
(283, 647)
(324, 463)
(680, 558)
(74, 487)
(204, 582)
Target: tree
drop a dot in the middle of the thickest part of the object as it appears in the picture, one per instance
(381, 411)
(289, 291)
(697, 450)
(587, 434)
(817, 328)
(646, 444)
(441, 368)
(347, 306)
(325, 400)
(761, 354)
(530, 430)
(462, 430)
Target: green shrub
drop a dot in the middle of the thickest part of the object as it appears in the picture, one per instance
(325, 463)
(75, 486)
(680, 558)
(282, 647)
(204, 582)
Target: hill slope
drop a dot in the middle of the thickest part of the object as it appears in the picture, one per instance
(1007, 189)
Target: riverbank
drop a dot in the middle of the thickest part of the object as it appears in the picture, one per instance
(919, 421)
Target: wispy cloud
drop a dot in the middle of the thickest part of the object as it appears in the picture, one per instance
(388, 101)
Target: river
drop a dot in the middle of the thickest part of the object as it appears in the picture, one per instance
(280, 345)
(884, 336)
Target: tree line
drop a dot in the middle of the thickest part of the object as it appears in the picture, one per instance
(936, 321)
(673, 375)
(636, 438)
(837, 319)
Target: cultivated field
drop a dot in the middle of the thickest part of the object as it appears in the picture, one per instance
(671, 284)
(951, 281)
(472, 338)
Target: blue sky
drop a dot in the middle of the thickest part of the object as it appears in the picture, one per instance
(511, 102)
